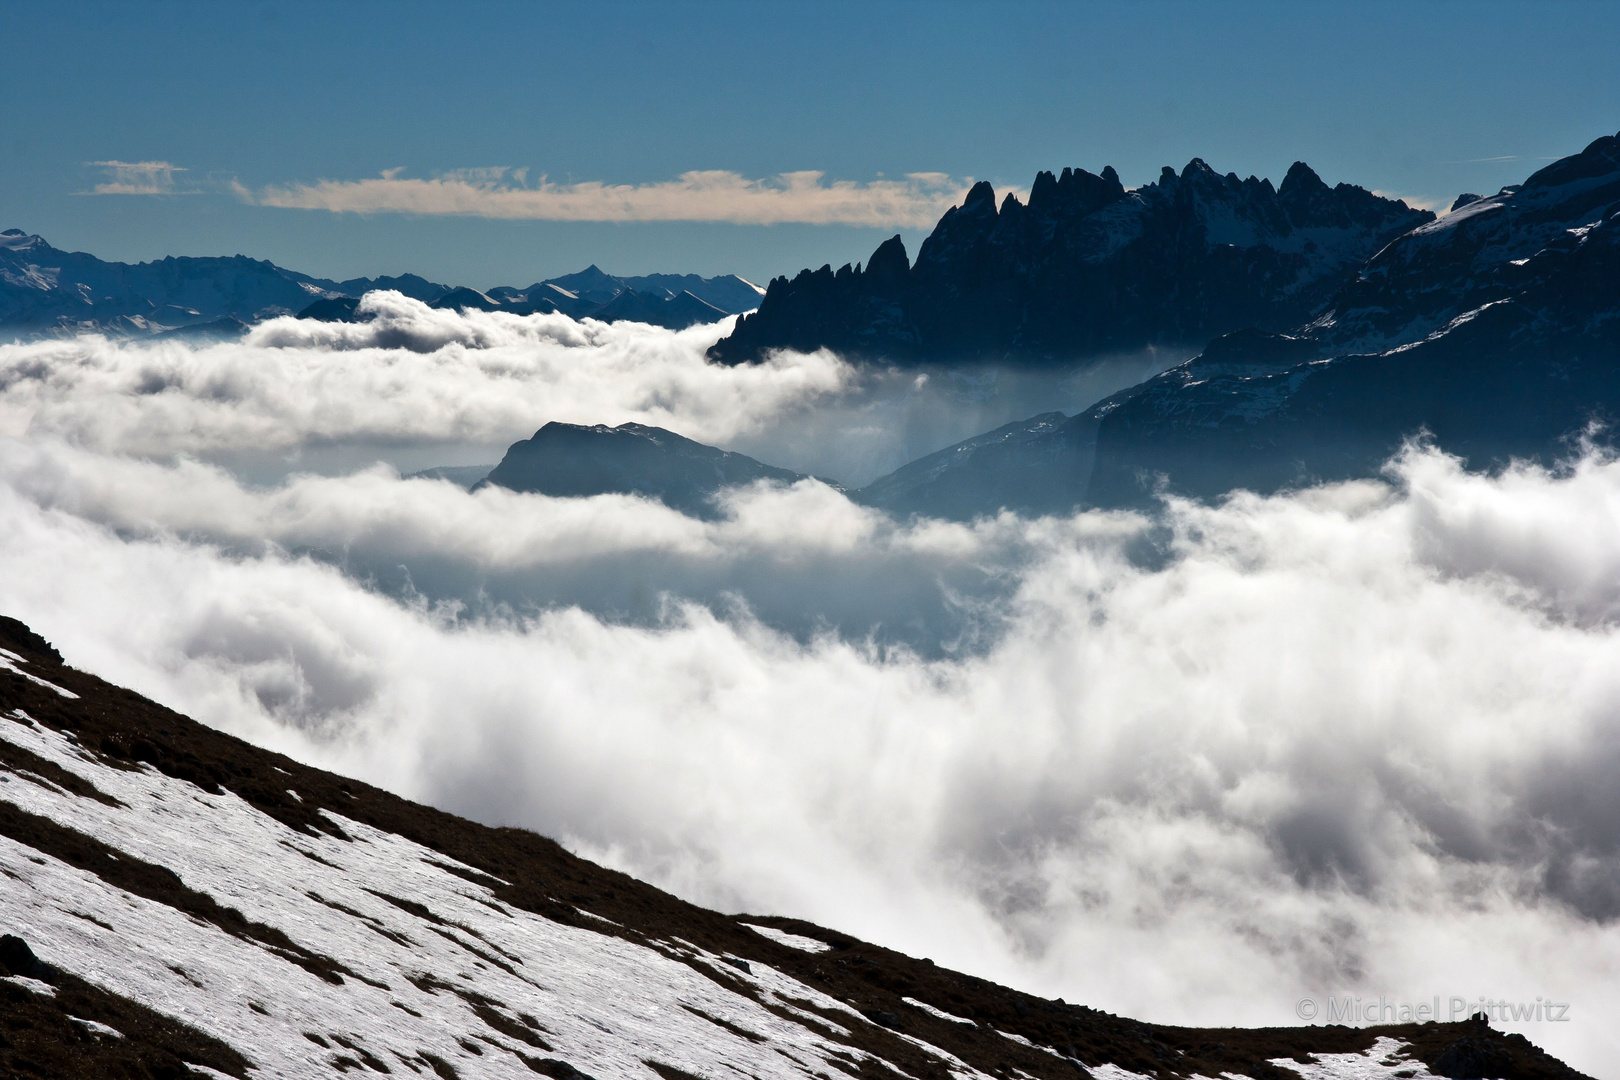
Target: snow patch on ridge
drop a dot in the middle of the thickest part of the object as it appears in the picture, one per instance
(603, 1004)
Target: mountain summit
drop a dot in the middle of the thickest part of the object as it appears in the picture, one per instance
(1087, 267)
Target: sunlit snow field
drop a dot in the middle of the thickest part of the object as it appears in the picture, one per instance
(1191, 767)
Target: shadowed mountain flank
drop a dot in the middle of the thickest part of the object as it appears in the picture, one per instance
(1087, 267)
(631, 459)
(1494, 331)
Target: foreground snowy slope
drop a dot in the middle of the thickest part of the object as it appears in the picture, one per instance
(176, 902)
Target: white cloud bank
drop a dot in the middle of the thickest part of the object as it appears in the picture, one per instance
(410, 375)
(1360, 739)
(420, 387)
(708, 195)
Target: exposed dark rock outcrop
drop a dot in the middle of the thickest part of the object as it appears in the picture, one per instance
(631, 459)
(1087, 267)
(1495, 330)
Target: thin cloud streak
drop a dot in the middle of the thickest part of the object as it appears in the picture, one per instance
(137, 178)
(707, 195)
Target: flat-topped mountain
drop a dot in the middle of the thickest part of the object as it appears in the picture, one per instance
(45, 289)
(1087, 267)
(631, 459)
(177, 902)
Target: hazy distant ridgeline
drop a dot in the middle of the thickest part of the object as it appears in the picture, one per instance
(45, 289)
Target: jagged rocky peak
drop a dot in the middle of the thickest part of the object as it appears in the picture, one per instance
(1085, 267)
(1494, 329)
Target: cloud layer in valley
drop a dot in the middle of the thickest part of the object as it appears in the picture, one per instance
(419, 387)
(1190, 766)
(710, 195)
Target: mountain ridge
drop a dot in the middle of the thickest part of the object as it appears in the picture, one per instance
(1086, 267)
(1494, 331)
(44, 289)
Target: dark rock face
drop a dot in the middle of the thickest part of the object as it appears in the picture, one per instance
(18, 959)
(1475, 1056)
(1495, 329)
(631, 459)
(1087, 267)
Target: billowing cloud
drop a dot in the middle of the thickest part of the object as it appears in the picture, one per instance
(411, 375)
(1321, 743)
(714, 195)
(136, 178)
(418, 387)
(1191, 766)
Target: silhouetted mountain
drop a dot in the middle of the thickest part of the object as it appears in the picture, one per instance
(178, 902)
(670, 300)
(1495, 329)
(1086, 268)
(631, 459)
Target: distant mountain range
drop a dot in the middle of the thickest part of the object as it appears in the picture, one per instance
(1495, 330)
(1086, 268)
(44, 289)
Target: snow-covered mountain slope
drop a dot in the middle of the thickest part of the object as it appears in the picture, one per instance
(1496, 330)
(176, 902)
(42, 287)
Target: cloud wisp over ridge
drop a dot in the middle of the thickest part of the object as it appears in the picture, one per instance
(701, 195)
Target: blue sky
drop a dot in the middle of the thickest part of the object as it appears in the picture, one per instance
(255, 105)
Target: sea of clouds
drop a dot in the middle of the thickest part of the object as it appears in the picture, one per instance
(1189, 766)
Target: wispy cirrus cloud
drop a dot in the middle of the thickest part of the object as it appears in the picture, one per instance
(707, 195)
(137, 178)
